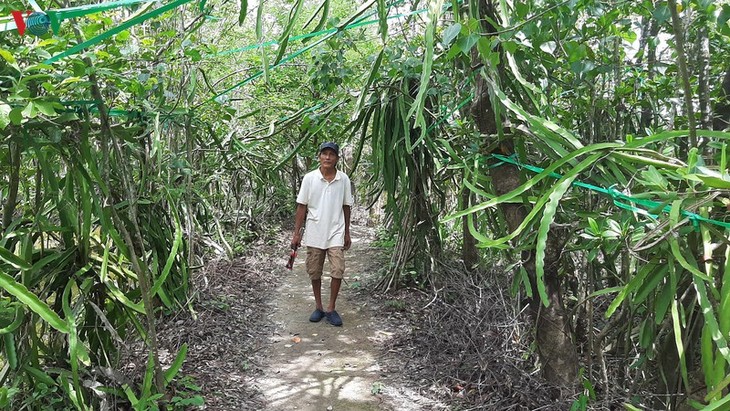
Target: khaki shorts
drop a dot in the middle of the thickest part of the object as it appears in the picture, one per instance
(315, 262)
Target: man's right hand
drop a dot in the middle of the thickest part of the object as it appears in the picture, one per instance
(296, 241)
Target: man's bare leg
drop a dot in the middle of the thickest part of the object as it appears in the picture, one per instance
(317, 291)
(334, 290)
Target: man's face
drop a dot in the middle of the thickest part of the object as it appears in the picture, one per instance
(328, 157)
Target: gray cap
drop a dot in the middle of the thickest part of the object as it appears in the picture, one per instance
(331, 146)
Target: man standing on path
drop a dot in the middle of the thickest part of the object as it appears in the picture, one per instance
(324, 200)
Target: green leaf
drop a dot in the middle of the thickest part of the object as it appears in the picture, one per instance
(16, 116)
(534, 180)
(555, 136)
(33, 302)
(39, 376)
(366, 87)
(11, 355)
(699, 279)
(30, 110)
(548, 216)
(718, 390)
(284, 38)
(177, 242)
(633, 284)
(417, 107)
(324, 9)
(7, 56)
(77, 350)
(382, 20)
(17, 321)
(176, 365)
(713, 182)
(466, 43)
(677, 326)
(45, 107)
(723, 20)
(12, 259)
(450, 33)
(242, 12)
(260, 40)
(122, 298)
(719, 405)
(661, 13)
(649, 284)
(4, 115)
(666, 295)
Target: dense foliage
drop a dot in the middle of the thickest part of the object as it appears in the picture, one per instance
(582, 143)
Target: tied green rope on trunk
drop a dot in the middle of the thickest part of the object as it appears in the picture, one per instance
(620, 199)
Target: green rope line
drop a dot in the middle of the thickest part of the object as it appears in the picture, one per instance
(74, 106)
(58, 15)
(260, 73)
(330, 33)
(107, 34)
(617, 196)
(317, 33)
(446, 117)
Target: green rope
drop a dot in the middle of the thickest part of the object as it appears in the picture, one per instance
(330, 33)
(316, 33)
(57, 16)
(620, 199)
(446, 117)
(107, 34)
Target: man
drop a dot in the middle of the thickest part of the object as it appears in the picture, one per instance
(324, 200)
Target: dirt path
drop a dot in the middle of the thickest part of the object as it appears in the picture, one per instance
(316, 366)
(253, 349)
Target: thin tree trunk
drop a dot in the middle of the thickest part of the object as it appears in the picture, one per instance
(190, 220)
(648, 118)
(684, 76)
(703, 73)
(12, 199)
(617, 79)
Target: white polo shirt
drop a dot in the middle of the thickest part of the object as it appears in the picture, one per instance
(324, 199)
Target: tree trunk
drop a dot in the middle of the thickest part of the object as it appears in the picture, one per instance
(684, 80)
(647, 108)
(555, 345)
(703, 73)
(12, 199)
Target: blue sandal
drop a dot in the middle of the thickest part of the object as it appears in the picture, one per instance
(333, 318)
(317, 315)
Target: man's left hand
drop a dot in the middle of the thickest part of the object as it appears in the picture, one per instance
(348, 242)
